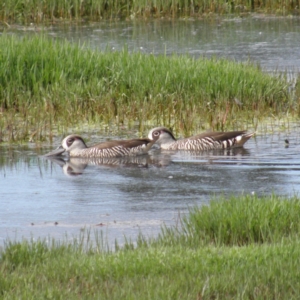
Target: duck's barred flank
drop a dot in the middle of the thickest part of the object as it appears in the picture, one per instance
(117, 151)
(204, 144)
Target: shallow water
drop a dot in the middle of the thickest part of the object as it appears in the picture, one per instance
(46, 198)
(273, 42)
(55, 198)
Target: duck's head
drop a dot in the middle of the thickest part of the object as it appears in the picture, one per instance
(161, 135)
(69, 143)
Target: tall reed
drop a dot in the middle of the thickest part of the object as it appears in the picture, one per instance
(55, 10)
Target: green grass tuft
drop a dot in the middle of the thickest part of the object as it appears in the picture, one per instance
(48, 85)
(244, 221)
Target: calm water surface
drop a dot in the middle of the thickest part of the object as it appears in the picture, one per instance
(44, 198)
(272, 42)
(49, 198)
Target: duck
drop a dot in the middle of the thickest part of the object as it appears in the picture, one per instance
(204, 141)
(75, 146)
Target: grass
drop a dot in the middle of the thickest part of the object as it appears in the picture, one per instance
(47, 86)
(56, 10)
(238, 222)
(197, 261)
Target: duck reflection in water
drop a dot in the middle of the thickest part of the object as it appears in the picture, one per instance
(75, 166)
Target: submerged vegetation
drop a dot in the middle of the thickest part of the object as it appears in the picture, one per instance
(54, 10)
(238, 248)
(47, 85)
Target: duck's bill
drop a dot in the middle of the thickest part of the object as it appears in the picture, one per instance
(58, 151)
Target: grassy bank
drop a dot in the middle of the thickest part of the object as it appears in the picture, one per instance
(254, 254)
(55, 10)
(47, 86)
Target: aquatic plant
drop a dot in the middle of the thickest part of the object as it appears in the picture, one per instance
(56, 10)
(47, 85)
